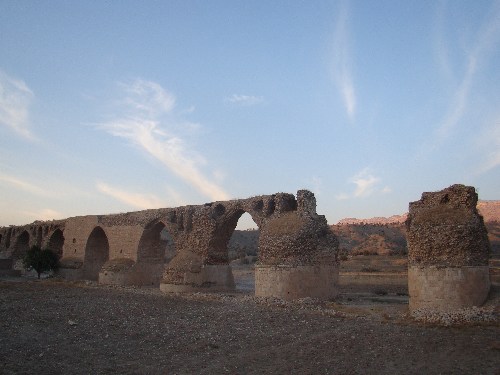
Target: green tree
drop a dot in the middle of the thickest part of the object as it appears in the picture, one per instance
(40, 260)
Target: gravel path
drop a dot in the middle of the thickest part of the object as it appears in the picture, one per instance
(55, 327)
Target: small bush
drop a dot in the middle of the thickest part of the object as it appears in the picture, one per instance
(40, 260)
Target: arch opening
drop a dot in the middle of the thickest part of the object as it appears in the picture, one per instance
(156, 245)
(156, 249)
(96, 254)
(21, 247)
(39, 233)
(243, 252)
(7, 239)
(56, 242)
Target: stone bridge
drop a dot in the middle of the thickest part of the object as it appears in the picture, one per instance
(298, 254)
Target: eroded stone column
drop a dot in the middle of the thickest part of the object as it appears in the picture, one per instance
(298, 254)
(448, 251)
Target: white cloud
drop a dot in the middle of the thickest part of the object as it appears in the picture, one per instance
(487, 39)
(341, 68)
(244, 99)
(136, 200)
(147, 98)
(386, 190)
(366, 185)
(23, 185)
(490, 140)
(15, 98)
(142, 127)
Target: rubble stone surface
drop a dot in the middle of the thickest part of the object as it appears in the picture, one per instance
(445, 229)
(448, 251)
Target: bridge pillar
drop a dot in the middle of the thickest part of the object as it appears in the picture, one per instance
(298, 254)
(448, 251)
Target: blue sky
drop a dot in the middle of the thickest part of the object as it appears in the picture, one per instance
(119, 106)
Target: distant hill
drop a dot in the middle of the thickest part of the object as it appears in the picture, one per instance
(381, 235)
(394, 219)
(242, 243)
(490, 210)
(371, 239)
(378, 235)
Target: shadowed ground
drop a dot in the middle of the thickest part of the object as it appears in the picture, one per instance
(53, 327)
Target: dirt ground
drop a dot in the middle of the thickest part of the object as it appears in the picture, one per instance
(60, 327)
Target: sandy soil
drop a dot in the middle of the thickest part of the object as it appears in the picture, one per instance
(58, 327)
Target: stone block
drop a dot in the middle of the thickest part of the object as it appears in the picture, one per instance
(448, 288)
(293, 282)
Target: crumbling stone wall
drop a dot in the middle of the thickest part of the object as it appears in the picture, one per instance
(298, 237)
(448, 250)
(445, 229)
(206, 233)
(298, 253)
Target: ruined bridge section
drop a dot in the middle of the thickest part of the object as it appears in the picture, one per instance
(298, 252)
(448, 251)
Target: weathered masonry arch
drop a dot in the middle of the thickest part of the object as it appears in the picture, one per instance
(39, 234)
(56, 242)
(298, 252)
(21, 247)
(96, 253)
(152, 254)
(151, 245)
(295, 245)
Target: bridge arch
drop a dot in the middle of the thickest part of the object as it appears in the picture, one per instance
(155, 240)
(218, 249)
(96, 253)
(56, 242)
(21, 247)
(39, 234)
(156, 248)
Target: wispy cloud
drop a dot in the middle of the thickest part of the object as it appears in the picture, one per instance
(386, 190)
(247, 100)
(341, 68)
(147, 98)
(136, 200)
(487, 38)
(366, 184)
(22, 185)
(489, 140)
(15, 98)
(148, 103)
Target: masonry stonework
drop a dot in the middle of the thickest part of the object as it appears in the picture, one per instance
(448, 251)
(130, 248)
(298, 254)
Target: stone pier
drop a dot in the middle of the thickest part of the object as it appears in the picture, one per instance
(448, 251)
(298, 254)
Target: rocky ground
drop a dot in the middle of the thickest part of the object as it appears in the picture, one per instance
(58, 327)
